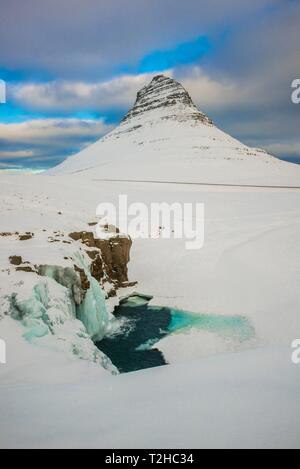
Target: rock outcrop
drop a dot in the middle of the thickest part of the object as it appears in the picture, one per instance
(26, 236)
(166, 93)
(16, 260)
(106, 259)
(109, 257)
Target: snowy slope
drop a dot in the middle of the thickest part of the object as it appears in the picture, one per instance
(245, 400)
(249, 265)
(166, 138)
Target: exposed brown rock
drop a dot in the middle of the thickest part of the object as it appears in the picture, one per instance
(15, 260)
(97, 268)
(115, 255)
(128, 284)
(111, 229)
(26, 236)
(93, 254)
(112, 293)
(83, 278)
(7, 234)
(109, 259)
(26, 268)
(109, 256)
(85, 237)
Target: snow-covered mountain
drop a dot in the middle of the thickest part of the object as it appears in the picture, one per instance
(164, 137)
(59, 286)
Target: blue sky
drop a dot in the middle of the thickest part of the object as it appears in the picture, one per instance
(73, 69)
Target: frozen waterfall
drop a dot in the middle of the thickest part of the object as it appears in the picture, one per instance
(92, 312)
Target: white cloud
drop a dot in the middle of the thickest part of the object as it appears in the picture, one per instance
(16, 154)
(48, 140)
(243, 108)
(52, 130)
(68, 96)
(286, 149)
(119, 93)
(209, 93)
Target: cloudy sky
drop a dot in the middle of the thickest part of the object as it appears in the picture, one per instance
(73, 68)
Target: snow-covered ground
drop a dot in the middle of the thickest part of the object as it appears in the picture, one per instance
(213, 394)
(242, 400)
(249, 265)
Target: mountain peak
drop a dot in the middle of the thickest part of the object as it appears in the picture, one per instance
(165, 137)
(169, 98)
(159, 77)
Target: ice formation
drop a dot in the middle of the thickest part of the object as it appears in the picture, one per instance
(89, 308)
(66, 277)
(48, 312)
(92, 312)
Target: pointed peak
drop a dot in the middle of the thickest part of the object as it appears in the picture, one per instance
(160, 78)
(169, 98)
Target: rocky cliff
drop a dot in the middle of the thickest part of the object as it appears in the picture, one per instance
(60, 285)
(168, 97)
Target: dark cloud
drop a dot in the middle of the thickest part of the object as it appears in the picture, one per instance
(95, 37)
(258, 62)
(83, 48)
(46, 142)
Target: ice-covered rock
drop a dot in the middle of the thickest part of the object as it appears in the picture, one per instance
(59, 284)
(66, 277)
(48, 314)
(92, 312)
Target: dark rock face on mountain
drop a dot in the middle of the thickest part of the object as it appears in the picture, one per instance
(165, 93)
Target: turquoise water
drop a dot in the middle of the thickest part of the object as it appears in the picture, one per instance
(134, 348)
(230, 327)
